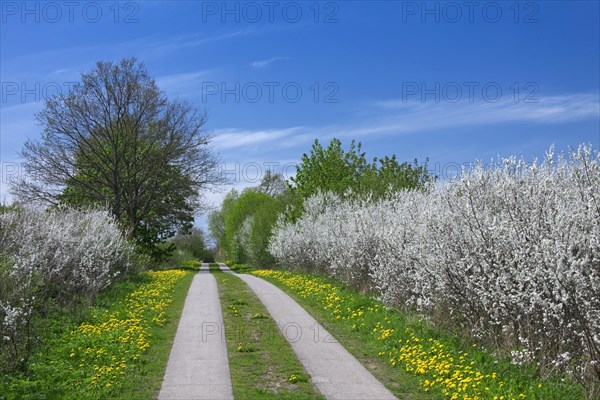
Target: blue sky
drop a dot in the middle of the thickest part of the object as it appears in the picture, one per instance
(452, 81)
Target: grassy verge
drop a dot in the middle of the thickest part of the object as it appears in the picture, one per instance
(239, 268)
(120, 350)
(146, 383)
(242, 268)
(408, 355)
(262, 363)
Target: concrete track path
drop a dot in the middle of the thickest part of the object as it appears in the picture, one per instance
(198, 367)
(335, 372)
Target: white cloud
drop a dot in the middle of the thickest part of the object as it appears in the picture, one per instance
(234, 138)
(184, 83)
(62, 71)
(145, 48)
(409, 117)
(266, 63)
(186, 41)
(389, 118)
(405, 118)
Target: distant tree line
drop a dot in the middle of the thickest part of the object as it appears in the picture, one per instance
(243, 226)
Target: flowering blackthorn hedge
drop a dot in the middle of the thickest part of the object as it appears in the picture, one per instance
(59, 258)
(509, 253)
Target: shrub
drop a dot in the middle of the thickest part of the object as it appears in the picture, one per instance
(57, 258)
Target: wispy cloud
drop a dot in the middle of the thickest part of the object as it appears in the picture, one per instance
(404, 118)
(145, 47)
(182, 83)
(187, 41)
(234, 138)
(266, 63)
(63, 71)
(408, 117)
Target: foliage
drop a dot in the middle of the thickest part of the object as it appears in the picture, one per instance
(216, 221)
(348, 173)
(509, 254)
(5, 208)
(60, 258)
(242, 227)
(176, 259)
(116, 141)
(192, 242)
(192, 264)
(248, 227)
(329, 169)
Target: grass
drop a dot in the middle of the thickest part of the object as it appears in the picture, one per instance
(147, 382)
(409, 356)
(241, 268)
(116, 349)
(262, 363)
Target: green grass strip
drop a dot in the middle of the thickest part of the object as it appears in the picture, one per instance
(262, 363)
(120, 350)
(408, 355)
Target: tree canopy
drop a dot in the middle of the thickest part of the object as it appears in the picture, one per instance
(117, 141)
(349, 173)
(242, 226)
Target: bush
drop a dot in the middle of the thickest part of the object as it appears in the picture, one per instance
(58, 258)
(510, 254)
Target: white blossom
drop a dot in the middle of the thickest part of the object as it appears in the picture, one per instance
(510, 253)
(59, 256)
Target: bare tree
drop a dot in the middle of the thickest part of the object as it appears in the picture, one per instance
(272, 184)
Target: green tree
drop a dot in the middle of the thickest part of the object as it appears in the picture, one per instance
(263, 220)
(387, 175)
(272, 184)
(117, 141)
(192, 242)
(243, 226)
(239, 221)
(348, 173)
(329, 169)
(216, 223)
